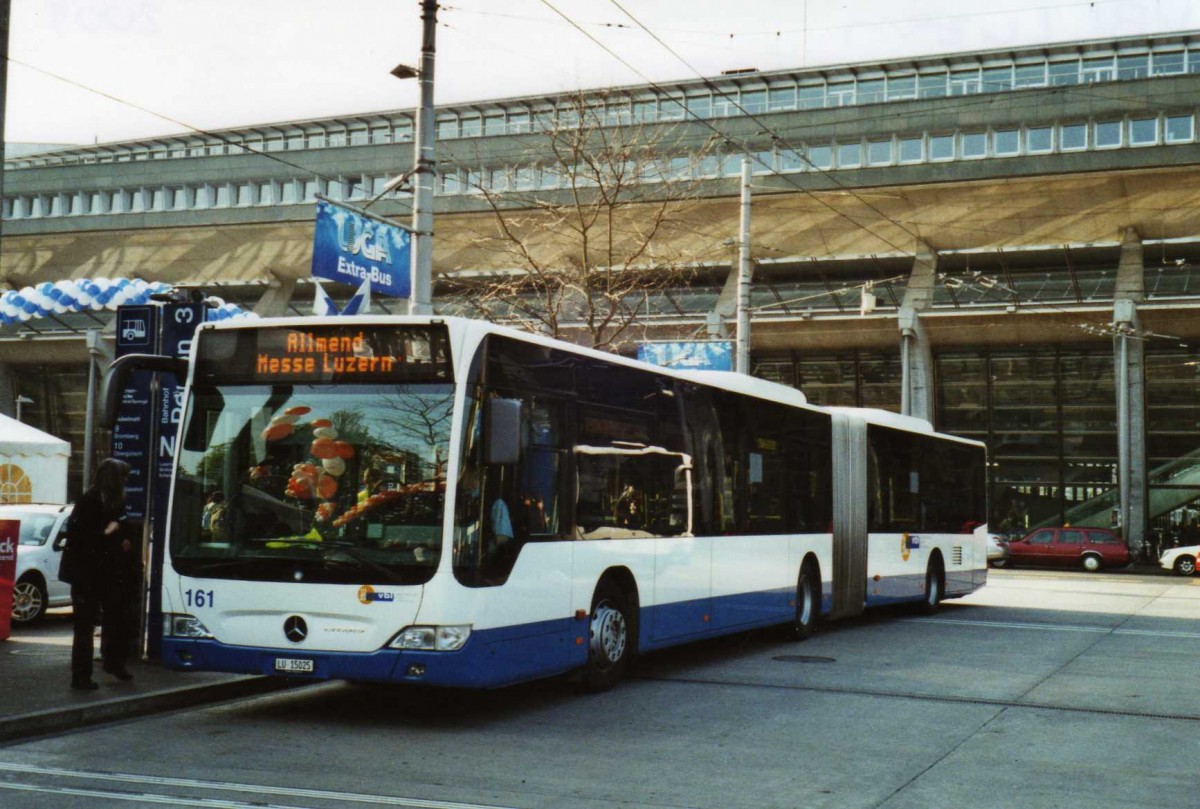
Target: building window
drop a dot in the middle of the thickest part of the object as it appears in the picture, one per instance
(912, 150)
(810, 98)
(1108, 134)
(316, 141)
(1143, 132)
(753, 102)
(997, 79)
(311, 189)
(245, 195)
(647, 111)
(224, 196)
(360, 137)
(266, 193)
(974, 145)
(518, 122)
(1179, 129)
(1166, 64)
(671, 109)
(870, 92)
(932, 86)
(841, 94)
(1039, 140)
(381, 134)
(178, 199)
(964, 82)
(471, 127)
(1097, 70)
(782, 98)
(204, 197)
(879, 152)
(1030, 75)
(1064, 73)
(849, 155)
(1133, 67)
(941, 147)
(900, 88)
(821, 157)
(447, 128)
(790, 160)
(1006, 142)
(1072, 137)
(288, 195)
(700, 106)
(494, 125)
(402, 131)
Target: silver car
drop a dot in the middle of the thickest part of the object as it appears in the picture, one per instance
(997, 550)
(39, 550)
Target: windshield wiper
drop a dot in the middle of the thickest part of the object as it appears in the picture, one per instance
(355, 553)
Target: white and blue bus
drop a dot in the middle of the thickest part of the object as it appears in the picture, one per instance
(448, 502)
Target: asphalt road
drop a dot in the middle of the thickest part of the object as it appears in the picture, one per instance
(1042, 690)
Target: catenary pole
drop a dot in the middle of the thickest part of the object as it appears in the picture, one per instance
(420, 301)
(743, 298)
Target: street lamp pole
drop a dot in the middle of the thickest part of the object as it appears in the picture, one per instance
(420, 301)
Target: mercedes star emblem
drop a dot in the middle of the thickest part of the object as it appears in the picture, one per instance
(295, 629)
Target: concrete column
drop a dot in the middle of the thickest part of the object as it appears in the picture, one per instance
(274, 302)
(1129, 374)
(916, 354)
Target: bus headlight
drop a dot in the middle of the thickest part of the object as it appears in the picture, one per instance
(178, 625)
(432, 638)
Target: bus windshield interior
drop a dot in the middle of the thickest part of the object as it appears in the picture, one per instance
(316, 483)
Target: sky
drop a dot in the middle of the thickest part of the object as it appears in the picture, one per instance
(95, 71)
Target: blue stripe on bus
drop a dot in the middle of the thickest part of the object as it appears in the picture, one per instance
(513, 654)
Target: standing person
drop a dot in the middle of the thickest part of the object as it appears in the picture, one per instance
(101, 552)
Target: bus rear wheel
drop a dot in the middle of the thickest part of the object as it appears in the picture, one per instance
(609, 641)
(934, 587)
(807, 606)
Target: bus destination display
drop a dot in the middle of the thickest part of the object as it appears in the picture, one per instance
(324, 354)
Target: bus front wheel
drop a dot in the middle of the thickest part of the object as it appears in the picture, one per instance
(609, 639)
(807, 605)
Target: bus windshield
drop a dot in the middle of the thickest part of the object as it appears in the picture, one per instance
(317, 483)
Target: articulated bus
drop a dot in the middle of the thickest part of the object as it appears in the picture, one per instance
(448, 502)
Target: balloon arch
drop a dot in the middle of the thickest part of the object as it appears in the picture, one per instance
(94, 294)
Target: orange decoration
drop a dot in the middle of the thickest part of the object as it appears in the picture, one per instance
(275, 432)
(324, 448)
(345, 450)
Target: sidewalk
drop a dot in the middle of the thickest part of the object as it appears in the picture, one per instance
(35, 697)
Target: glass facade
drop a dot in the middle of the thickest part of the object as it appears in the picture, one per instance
(1049, 419)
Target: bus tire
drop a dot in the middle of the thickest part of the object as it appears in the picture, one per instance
(935, 586)
(808, 604)
(610, 639)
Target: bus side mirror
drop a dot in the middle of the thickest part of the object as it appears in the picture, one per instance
(502, 425)
(117, 376)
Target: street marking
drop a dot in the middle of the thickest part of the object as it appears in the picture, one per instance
(144, 797)
(227, 786)
(1100, 630)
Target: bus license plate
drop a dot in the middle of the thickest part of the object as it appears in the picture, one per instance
(292, 665)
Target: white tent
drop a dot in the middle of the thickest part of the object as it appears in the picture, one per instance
(33, 464)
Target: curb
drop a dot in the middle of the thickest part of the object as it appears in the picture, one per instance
(56, 720)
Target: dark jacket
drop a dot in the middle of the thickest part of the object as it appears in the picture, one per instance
(96, 556)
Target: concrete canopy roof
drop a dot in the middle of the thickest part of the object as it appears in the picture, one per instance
(1013, 214)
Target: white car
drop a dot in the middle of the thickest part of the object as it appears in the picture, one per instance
(39, 550)
(1181, 560)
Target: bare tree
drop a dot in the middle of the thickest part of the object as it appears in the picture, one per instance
(587, 228)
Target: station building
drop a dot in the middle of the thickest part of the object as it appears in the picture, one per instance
(1003, 242)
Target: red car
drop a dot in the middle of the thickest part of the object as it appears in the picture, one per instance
(1089, 548)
